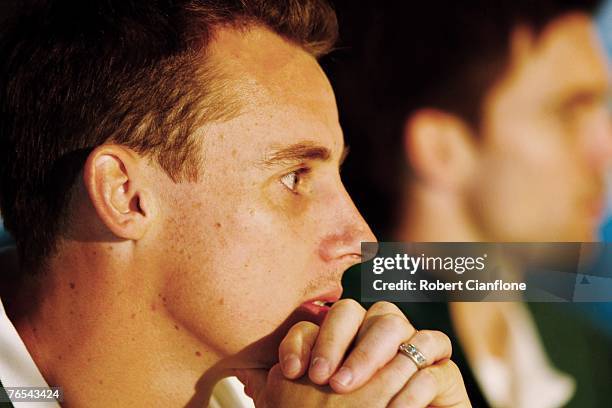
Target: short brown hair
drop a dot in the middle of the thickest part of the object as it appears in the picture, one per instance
(74, 75)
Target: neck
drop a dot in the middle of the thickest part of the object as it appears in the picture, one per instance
(94, 328)
(432, 215)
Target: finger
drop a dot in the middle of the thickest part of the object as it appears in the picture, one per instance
(374, 313)
(375, 349)
(433, 344)
(335, 337)
(254, 381)
(376, 310)
(392, 377)
(440, 385)
(294, 350)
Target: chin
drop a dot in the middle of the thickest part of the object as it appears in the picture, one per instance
(263, 351)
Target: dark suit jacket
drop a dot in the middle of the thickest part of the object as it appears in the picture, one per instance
(4, 397)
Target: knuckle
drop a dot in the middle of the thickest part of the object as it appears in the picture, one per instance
(348, 304)
(454, 369)
(303, 327)
(296, 332)
(447, 343)
(383, 307)
(427, 336)
(360, 356)
(304, 330)
(326, 346)
(440, 336)
(306, 325)
(437, 339)
(393, 323)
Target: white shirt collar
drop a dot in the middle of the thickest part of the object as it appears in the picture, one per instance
(17, 368)
(229, 392)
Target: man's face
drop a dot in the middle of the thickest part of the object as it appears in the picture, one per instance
(269, 227)
(546, 139)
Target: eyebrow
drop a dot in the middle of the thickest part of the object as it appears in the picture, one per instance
(584, 96)
(298, 152)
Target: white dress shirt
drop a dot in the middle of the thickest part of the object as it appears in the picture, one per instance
(524, 377)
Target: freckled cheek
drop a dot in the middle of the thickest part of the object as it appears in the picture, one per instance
(244, 281)
(260, 235)
(256, 245)
(227, 302)
(281, 208)
(283, 220)
(253, 300)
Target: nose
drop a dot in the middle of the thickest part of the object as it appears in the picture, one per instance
(347, 230)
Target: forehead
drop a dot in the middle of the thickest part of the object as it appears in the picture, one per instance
(265, 69)
(564, 59)
(570, 43)
(283, 94)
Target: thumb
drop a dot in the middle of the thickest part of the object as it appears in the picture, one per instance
(254, 380)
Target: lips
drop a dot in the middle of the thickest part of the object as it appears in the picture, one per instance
(316, 309)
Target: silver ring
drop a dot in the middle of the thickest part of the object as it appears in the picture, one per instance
(413, 353)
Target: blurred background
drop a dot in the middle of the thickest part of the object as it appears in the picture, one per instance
(412, 80)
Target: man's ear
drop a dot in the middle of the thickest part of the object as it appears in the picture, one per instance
(117, 186)
(441, 148)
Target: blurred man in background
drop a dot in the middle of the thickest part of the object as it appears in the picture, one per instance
(485, 121)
